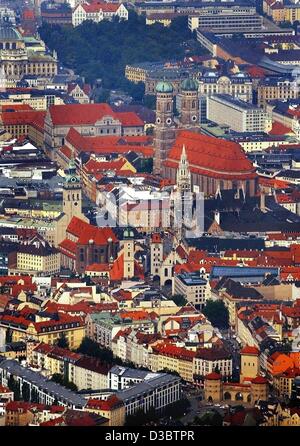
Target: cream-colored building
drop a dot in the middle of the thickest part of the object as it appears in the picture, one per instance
(193, 287)
(238, 115)
(88, 373)
(112, 408)
(238, 85)
(170, 357)
(98, 11)
(17, 60)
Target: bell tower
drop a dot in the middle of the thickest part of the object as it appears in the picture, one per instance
(189, 118)
(164, 134)
(128, 251)
(72, 193)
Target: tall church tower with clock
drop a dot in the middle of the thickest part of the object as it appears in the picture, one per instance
(164, 135)
(72, 202)
(72, 193)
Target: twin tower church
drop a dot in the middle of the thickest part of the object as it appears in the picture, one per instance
(183, 153)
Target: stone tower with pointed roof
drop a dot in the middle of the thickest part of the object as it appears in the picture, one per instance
(128, 253)
(72, 193)
(183, 177)
(164, 135)
(72, 202)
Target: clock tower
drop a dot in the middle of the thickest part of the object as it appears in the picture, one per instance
(72, 193)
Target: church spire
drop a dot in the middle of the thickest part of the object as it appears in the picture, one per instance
(183, 181)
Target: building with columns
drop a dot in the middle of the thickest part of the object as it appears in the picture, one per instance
(16, 60)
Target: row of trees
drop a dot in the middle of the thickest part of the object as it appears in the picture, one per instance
(22, 392)
(91, 348)
(215, 311)
(63, 381)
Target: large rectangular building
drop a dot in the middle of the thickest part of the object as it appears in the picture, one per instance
(233, 19)
(193, 287)
(277, 88)
(240, 116)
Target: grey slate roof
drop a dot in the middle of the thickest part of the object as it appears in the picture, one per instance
(56, 390)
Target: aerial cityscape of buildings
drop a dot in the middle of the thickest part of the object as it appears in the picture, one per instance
(150, 221)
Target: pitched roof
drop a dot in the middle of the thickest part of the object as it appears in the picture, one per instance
(259, 380)
(76, 114)
(211, 156)
(248, 350)
(86, 232)
(113, 402)
(213, 376)
(96, 6)
(89, 114)
(279, 129)
(109, 144)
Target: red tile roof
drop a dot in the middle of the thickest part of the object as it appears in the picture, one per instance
(77, 114)
(109, 144)
(113, 402)
(211, 156)
(279, 129)
(248, 350)
(25, 117)
(98, 267)
(129, 119)
(117, 269)
(174, 351)
(68, 247)
(156, 238)
(66, 151)
(99, 6)
(10, 108)
(86, 232)
(259, 380)
(94, 166)
(89, 114)
(213, 376)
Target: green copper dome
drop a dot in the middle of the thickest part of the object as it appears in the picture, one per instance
(189, 84)
(71, 177)
(164, 87)
(128, 233)
(8, 32)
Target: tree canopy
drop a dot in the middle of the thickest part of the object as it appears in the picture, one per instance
(62, 341)
(179, 300)
(102, 50)
(217, 313)
(91, 348)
